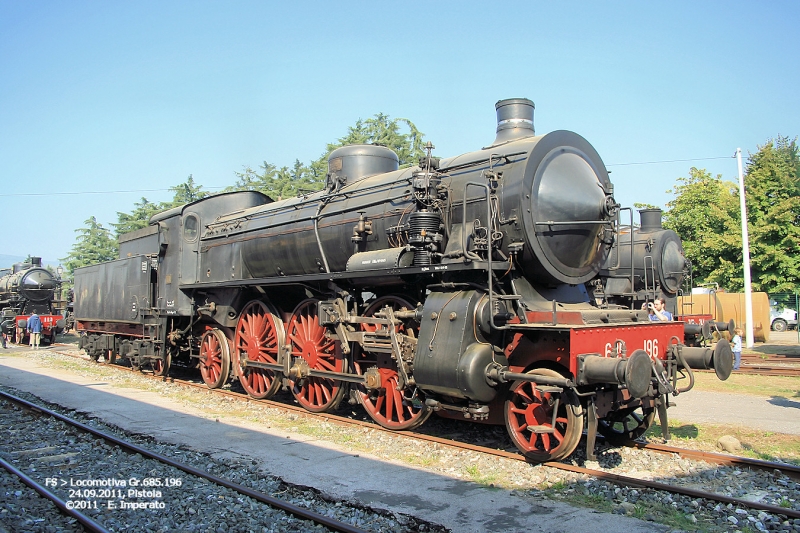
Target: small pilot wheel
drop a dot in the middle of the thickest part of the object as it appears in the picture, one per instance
(626, 425)
(161, 366)
(530, 423)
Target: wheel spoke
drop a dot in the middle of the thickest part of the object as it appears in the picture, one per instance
(626, 425)
(215, 358)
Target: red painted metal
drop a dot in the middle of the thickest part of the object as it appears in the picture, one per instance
(695, 319)
(390, 405)
(116, 328)
(258, 338)
(562, 346)
(48, 323)
(654, 338)
(211, 366)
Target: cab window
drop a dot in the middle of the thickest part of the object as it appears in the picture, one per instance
(190, 227)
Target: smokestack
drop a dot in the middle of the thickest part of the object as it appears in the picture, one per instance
(514, 120)
(650, 220)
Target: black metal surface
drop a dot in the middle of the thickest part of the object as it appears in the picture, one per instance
(656, 264)
(566, 181)
(27, 288)
(494, 247)
(118, 290)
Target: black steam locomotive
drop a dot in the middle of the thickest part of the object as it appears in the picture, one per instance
(458, 286)
(647, 262)
(27, 288)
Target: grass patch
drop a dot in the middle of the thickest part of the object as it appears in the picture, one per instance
(475, 474)
(741, 383)
(756, 443)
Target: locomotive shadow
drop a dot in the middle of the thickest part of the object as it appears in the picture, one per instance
(307, 461)
(685, 431)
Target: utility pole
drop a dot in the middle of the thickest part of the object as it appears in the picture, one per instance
(748, 289)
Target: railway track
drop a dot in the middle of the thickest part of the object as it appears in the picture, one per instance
(790, 471)
(763, 370)
(155, 481)
(14, 482)
(766, 370)
(771, 358)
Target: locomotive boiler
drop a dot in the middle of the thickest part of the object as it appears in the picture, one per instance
(648, 262)
(27, 288)
(457, 286)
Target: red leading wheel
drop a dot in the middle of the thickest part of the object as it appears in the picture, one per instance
(388, 405)
(309, 342)
(259, 336)
(215, 358)
(529, 420)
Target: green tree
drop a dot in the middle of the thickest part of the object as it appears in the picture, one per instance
(183, 193)
(286, 182)
(187, 192)
(93, 245)
(705, 213)
(136, 219)
(280, 183)
(382, 131)
(772, 187)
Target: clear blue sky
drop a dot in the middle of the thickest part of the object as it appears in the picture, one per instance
(136, 96)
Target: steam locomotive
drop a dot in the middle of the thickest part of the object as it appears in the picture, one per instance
(458, 286)
(27, 288)
(647, 262)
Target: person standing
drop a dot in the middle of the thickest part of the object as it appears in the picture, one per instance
(34, 328)
(737, 348)
(658, 311)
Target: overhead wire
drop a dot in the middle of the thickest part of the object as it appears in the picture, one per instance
(65, 193)
(669, 161)
(131, 191)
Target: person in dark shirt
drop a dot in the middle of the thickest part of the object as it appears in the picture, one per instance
(35, 330)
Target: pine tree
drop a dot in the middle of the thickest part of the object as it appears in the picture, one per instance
(286, 182)
(93, 245)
